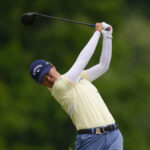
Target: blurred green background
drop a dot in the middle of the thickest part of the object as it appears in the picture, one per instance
(30, 119)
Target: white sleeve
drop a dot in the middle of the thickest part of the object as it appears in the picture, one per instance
(105, 58)
(83, 58)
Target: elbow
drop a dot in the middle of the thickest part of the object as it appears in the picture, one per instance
(104, 68)
(107, 68)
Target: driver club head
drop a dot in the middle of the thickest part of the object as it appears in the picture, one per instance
(28, 18)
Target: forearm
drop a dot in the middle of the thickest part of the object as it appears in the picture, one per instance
(106, 53)
(104, 61)
(89, 49)
(83, 58)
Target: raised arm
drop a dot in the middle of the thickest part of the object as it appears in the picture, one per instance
(105, 58)
(84, 55)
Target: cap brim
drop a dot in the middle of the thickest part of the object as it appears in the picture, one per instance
(43, 73)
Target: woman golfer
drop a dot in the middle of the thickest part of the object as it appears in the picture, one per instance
(81, 100)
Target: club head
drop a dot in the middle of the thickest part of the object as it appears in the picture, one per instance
(28, 18)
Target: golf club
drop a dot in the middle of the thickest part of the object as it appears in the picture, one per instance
(29, 18)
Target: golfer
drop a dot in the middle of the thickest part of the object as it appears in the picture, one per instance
(74, 91)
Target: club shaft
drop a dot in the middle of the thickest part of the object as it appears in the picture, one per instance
(66, 20)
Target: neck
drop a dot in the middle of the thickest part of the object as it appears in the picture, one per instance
(57, 75)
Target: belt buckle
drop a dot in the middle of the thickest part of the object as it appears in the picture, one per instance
(98, 131)
(103, 130)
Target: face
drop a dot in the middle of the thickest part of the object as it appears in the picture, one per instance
(50, 77)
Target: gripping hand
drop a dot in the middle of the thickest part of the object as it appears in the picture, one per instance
(105, 32)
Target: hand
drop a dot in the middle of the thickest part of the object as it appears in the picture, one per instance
(105, 32)
(98, 27)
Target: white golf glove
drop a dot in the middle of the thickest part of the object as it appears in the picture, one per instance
(105, 32)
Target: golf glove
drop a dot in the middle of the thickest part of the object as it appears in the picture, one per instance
(105, 32)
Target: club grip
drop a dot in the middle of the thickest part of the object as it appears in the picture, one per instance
(92, 25)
